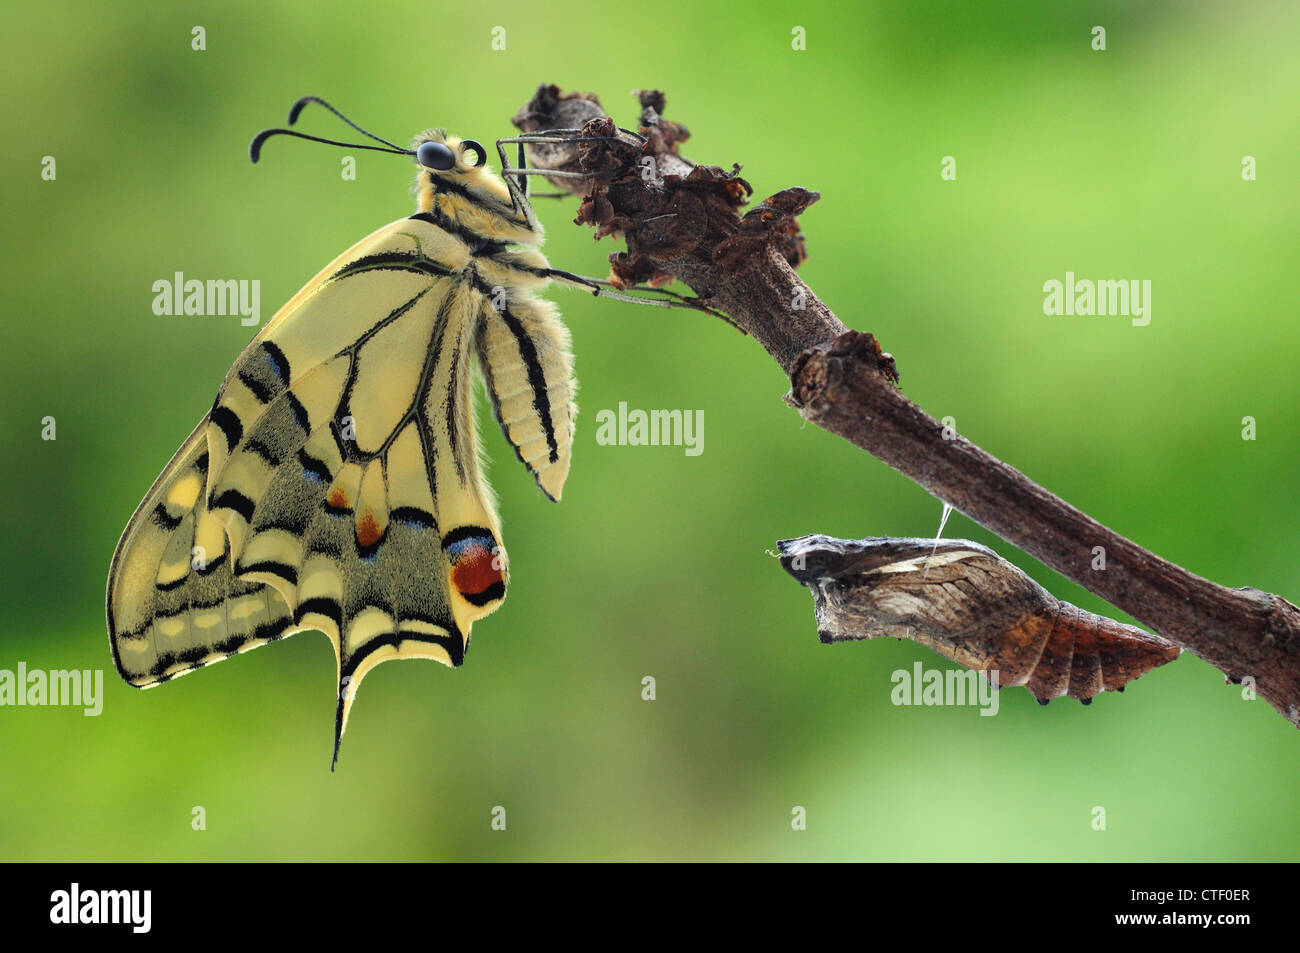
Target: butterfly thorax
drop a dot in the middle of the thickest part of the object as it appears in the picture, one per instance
(474, 201)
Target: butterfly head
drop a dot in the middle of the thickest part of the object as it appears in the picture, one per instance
(435, 152)
(441, 158)
(442, 155)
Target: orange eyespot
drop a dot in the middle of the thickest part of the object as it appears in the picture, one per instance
(477, 571)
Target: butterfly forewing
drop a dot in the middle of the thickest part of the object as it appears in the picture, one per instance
(174, 604)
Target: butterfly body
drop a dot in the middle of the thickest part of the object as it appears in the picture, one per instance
(336, 482)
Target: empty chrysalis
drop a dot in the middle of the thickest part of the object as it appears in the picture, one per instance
(966, 603)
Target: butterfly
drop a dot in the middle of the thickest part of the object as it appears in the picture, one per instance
(966, 603)
(335, 484)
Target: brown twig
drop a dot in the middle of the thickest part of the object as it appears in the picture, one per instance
(680, 220)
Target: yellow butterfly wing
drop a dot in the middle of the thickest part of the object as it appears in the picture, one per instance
(336, 485)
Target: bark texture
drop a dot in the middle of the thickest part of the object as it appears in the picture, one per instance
(684, 221)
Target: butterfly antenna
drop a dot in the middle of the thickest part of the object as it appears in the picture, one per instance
(300, 104)
(255, 147)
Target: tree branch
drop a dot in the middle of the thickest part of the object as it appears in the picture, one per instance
(680, 221)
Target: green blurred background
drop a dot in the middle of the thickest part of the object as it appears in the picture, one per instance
(1116, 164)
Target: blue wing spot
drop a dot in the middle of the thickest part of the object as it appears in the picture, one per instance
(276, 360)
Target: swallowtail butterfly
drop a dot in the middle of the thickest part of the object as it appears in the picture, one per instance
(335, 483)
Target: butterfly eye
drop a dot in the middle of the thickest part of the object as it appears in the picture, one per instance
(434, 155)
(480, 152)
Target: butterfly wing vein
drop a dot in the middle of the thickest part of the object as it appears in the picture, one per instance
(336, 483)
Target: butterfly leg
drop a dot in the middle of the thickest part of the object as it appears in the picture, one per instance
(602, 288)
(517, 182)
(518, 186)
(516, 178)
